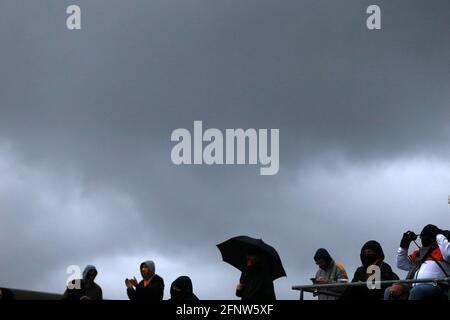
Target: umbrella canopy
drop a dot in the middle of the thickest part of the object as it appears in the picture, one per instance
(234, 252)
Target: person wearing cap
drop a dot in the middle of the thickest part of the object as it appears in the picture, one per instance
(150, 288)
(329, 271)
(432, 260)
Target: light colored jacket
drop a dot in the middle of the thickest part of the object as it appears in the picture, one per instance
(429, 268)
(335, 273)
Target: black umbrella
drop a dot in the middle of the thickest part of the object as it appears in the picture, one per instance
(234, 252)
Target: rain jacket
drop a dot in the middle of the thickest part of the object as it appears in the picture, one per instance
(427, 267)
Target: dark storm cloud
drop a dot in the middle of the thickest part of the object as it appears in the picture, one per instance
(91, 111)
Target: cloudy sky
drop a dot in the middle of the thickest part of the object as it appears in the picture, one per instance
(86, 117)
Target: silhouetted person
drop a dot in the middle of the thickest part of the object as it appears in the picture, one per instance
(371, 255)
(87, 288)
(255, 282)
(150, 288)
(181, 290)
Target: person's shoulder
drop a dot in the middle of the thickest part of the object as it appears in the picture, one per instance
(97, 286)
(386, 266)
(389, 273)
(359, 269)
(158, 278)
(339, 266)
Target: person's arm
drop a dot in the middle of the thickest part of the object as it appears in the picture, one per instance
(403, 260)
(444, 246)
(341, 274)
(239, 290)
(240, 287)
(320, 279)
(100, 297)
(98, 293)
(65, 295)
(158, 290)
(269, 292)
(341, 277)
(317, 275)
(131, 293)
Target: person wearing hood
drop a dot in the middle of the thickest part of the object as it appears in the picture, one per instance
(181, 290)
(371, 255)
(432, 260)
(150, 288)
(255, 282)
(329, 271)
(88, 289)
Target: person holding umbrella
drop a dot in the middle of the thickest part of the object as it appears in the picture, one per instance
(255, 282)
(259, 263)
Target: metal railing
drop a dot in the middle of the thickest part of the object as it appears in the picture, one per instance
(33, 295)
(319, 288)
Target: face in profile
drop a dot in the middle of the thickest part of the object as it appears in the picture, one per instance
(321, 263)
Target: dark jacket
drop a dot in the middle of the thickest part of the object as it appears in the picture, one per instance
(91, 290)
(386, 273)
(153, 291)
(256, 285)
(88, 288)
(183, 290)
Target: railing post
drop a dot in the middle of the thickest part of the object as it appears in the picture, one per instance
(301, 294)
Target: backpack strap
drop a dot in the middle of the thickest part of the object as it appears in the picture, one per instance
(440, 266)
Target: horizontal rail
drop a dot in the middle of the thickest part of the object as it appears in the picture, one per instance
(316, 288)
(359, 284)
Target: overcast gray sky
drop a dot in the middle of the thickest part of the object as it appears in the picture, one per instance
(86, 117)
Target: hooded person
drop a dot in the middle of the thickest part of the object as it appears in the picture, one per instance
(432, 260)
(181, 290)
(92, 291)
(371, 256)
(86, 288)
(150, 288)
(255, 282)
(329, 271)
